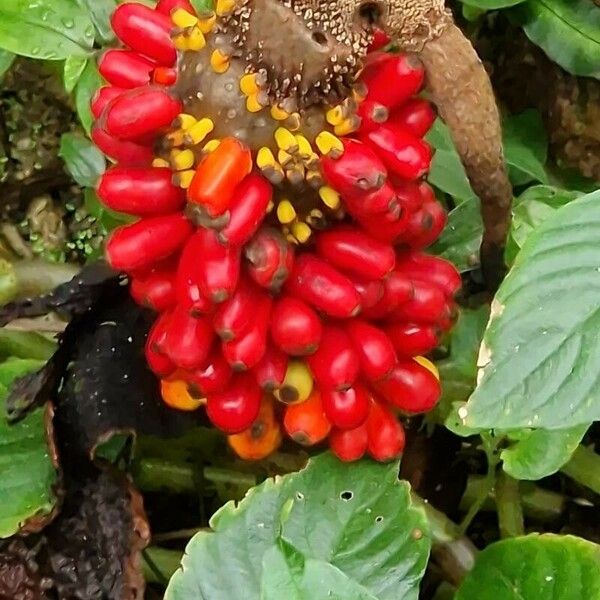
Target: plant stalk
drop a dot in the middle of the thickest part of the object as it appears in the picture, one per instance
(510, 510)
(584, 468)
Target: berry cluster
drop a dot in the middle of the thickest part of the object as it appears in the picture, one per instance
(290, 281)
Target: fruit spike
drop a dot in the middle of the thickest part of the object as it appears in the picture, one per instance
(281, 213)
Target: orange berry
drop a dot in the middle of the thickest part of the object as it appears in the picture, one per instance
(176, 394)
(262, 438)
(306, 422)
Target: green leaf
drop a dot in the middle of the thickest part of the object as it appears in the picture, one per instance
(28, 474)
(332, 530)
(461, 238)
(100, 12)
(74, 66)
(85, 89)
(45, 30)
(25, 344)
(6, 61)
(530, 210)
(491, 4)
(459, 370)
(540, 452)
(202, 6)
(525, 147)
(540, 360)
(447, 172)
(567, 30)
(535, 567)
(84, 161)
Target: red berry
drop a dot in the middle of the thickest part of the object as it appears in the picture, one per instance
(397, 290)
(356, 172)
(370, 292)
(374, 204)
(403, 153)
(140, 191)
(247, 211)
(410, 339)
(372, 114)
(335, 364)
(410, 387)
(189, 339)
(385, 434)
(125, 69)
(417, 116)
(187, 283)
(213, 376)
(234, 409)
(346, 409)
(146, 31)
(156, 289)
(245, 352)
(391, 79)
(354, 252)
(270, 258)
(425, 226)
(374, 348)
(295, 327)
(127, 153)
(150, 240)
(140, 112)
(318, 283)
(166, 7)
(425, 267)
(234, 316)
(428, 304)
(103, 97)
(155, 353)
(218, 267)
(349, 444)
(271, 369)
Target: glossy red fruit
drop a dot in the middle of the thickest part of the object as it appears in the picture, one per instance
(166, 7)
(246, 351)
(127, 153)
(335, 365)
(189, 339)
(146, 31)
(155, 353)
(295, 327)
(155, 290)
(250, 201)
(403, 153)
(410, 339)
(397, 289)
(374, 203)
(427, 268)
(164, 75)
(427, 305)
(103, 97)
(218, 265)
(408, 195)
(410, 387)
(144, 243)
(234, 409)
(380, 39)
(391, 79)
(388, 227)
(270, 258)
(346, 409)
(187, 286)
(140, 112)
(374, 348)
(323, 286)
(234, 316)
(425, 226)
(372, 114)
(211, 377)
(385, 434)
(140, 191)
(349, 444)
(270, 371)
(125, 69)
(356, 172)
(370, 292)
(354, 252)
(416, 115)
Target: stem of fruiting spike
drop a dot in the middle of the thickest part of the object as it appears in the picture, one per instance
(510, 509)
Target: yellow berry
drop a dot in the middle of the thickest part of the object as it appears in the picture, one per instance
(297, 384)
